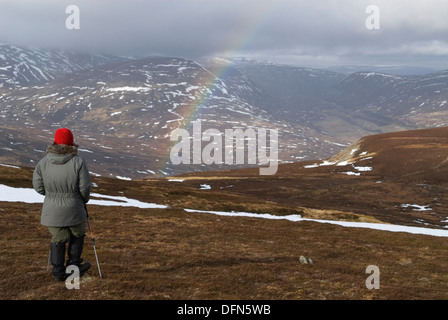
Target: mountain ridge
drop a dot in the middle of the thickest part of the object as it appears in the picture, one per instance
(21, 66)
(134, 104)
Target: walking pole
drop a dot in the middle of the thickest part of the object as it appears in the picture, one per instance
(93, 241)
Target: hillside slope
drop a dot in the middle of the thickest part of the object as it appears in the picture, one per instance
(171, 253)
(396, 177)
(122, 115)
(419, 156)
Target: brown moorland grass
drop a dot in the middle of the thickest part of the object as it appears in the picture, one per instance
(173, 254)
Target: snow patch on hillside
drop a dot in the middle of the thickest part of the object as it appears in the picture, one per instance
(28, 195)
(345, 158)
(298, 218)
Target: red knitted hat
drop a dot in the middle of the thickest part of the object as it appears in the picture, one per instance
(63, 136)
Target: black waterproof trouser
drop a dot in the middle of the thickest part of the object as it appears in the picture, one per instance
(74, 252)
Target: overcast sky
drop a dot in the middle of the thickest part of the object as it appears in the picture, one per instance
(304, 32)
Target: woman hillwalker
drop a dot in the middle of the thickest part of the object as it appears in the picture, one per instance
(63, 178)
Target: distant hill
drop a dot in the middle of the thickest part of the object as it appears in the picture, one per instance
(418, 156)
(20, 66)
(123, 113)
(122, 110)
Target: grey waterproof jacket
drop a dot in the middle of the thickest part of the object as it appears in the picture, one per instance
(63, 178)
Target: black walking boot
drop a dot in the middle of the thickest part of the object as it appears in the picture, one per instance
(57, 259)
(75, 247)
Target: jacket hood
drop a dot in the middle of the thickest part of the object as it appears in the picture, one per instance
(61, 153)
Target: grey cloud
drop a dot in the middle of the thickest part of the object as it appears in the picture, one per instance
(328, 31)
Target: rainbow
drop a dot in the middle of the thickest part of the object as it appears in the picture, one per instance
(237, 42)
(240, 39)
